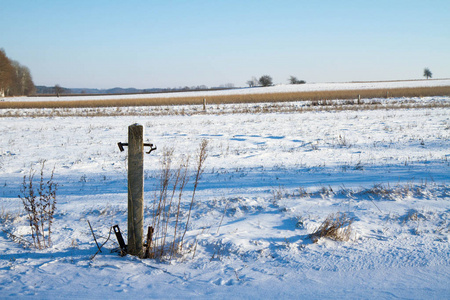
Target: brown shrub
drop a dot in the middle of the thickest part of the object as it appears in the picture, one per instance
(336, 227)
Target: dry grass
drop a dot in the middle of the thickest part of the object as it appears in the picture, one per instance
(336, 227)
(280, 107)
(168, 221)
(243, 98)
(40, 205)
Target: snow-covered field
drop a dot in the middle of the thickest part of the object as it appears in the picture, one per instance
(270, 180)
(281, 88)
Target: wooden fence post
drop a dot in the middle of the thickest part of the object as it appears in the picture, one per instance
(135, 189)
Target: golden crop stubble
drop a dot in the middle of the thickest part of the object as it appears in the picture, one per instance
(242, 98)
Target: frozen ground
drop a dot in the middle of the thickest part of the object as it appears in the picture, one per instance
(270, 181)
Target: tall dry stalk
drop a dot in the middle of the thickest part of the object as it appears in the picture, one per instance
(40, 207)
(171, 183)
(179, 177)
(167, 209)
(201, 157)
(183, 169)
(30, 205)
(159, 205)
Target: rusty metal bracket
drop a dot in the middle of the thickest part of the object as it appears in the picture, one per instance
(123, 247)
(152, 148)
(148, 246)
(121, 146)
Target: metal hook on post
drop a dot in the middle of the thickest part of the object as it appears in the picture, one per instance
(152, 148)
(120, 144)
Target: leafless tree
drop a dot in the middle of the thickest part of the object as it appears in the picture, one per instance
(6, 73)
(23, 83)
(294, 80)
(58, 90)
(253, 82)
(15, 79)
(427, 73)
(265, 80)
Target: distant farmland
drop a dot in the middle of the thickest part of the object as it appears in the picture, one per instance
(118, 101)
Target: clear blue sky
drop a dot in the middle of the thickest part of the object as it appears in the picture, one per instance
(144, 44)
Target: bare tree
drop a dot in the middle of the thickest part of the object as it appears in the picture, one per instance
(253, 82)
(427, 73)
(23, 83)
(265, 80)
(28, 84)
(15, 79)
(294, 80)
(6, 73)
(58, 90)
(228, 85)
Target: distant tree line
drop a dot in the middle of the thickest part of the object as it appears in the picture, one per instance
(52, 90)
(266, 80)
(15, 79)
(294, 80)
(58, 90)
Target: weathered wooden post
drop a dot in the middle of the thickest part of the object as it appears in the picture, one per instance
(204, 104)
(135, 188)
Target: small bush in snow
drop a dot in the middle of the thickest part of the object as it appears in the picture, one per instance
(336, 227)
(40, 205)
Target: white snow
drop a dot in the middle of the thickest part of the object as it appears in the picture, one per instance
(270, 180)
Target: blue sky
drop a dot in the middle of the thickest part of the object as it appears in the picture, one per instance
(144, 44)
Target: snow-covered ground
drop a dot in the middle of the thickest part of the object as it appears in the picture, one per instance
(282, 88)
(270, 180)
